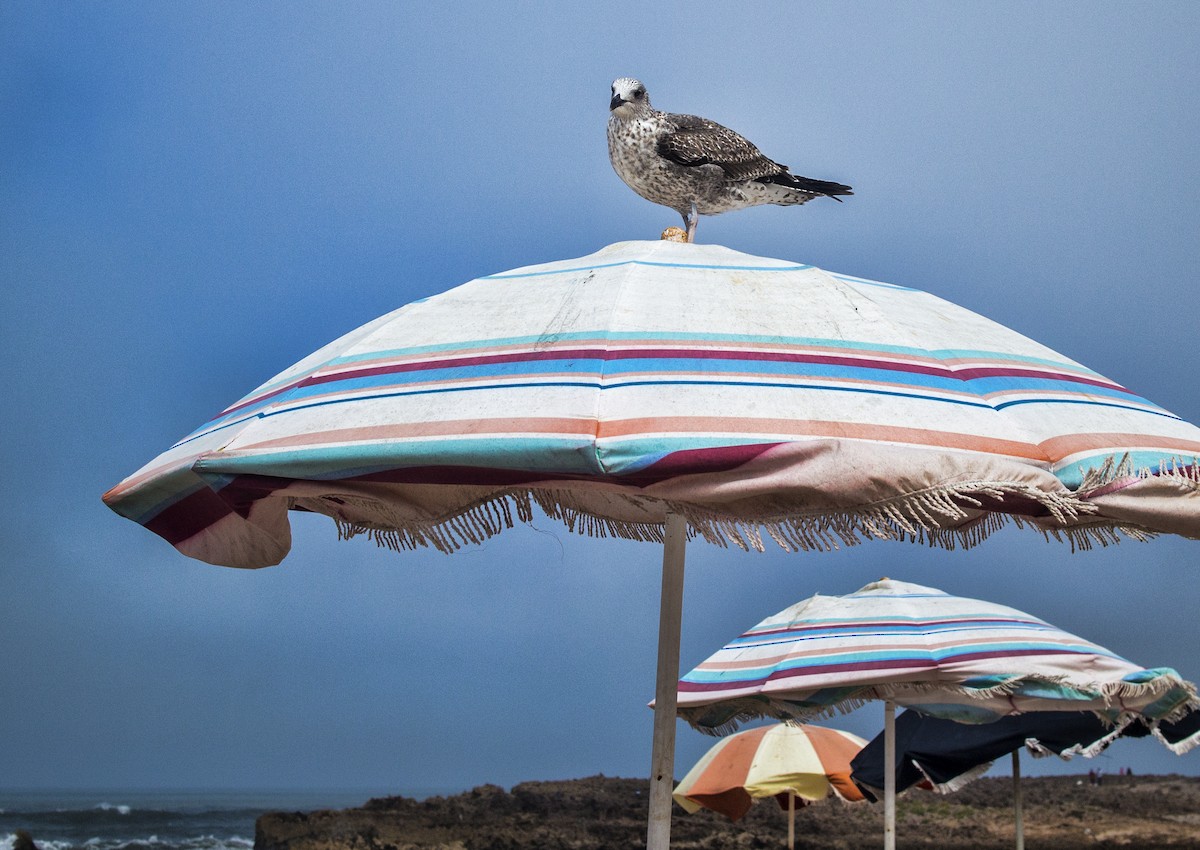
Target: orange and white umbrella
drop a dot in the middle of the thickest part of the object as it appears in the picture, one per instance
(784, 761)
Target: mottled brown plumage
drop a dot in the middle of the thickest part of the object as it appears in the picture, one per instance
(696, 166)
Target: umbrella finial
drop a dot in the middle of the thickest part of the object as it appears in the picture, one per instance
(674, 234)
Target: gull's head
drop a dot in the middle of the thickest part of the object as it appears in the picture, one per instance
(629, 98)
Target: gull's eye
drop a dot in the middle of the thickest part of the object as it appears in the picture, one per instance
(639, 93)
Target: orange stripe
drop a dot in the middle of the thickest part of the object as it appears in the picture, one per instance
(450, 428)
(1069, 444)
(765, 428)
(815, 428)
(720, 786)
(836, 751)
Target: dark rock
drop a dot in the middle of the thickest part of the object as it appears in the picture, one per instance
(601, 813)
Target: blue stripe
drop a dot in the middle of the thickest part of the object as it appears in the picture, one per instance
(707, 366)
(431, 391)
(574, 269)
(1158, 411)
(700, 676)
(580, 384)
(283, 406)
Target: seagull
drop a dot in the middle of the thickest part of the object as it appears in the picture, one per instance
(696, 166)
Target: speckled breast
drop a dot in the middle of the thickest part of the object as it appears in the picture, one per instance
(633, 151)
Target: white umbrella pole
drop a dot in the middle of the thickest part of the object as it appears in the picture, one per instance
(889, 775)
(791, 821)
(1017, 813)
(670, 619)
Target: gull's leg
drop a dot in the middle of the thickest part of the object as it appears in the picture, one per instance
(691, 221)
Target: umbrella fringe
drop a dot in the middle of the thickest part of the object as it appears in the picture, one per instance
(472, 526)
(1183, 469)
(918, 517)
(560, 505)
(1113, 693)
(1083, 538)
(1116, 692)
(735, 712)
(1178, 747)
(1101, 744)
(1039, 750)
(959, 782)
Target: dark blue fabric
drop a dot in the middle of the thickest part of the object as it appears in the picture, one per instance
(946, 750)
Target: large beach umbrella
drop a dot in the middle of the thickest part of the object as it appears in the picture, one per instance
(948, 656)
(653, 390)
(789, 762)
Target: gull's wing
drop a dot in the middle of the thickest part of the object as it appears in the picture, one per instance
(695, 141)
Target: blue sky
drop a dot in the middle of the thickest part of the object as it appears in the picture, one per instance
(194, 196)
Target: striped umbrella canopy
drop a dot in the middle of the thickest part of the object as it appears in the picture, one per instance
(947, 656)
(942, 655)
(752, 396)
(655, 390)
(784, 761)
(780, 760)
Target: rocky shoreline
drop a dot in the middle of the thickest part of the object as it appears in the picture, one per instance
(602, 813)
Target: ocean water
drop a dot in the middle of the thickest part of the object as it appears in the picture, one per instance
(84, 820)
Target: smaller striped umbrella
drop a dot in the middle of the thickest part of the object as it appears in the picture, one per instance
(783, 761)
(946, 656)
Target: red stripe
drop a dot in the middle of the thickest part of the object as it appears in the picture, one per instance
(199, 510)
(678, 354)
(998, 372)
(625, 354)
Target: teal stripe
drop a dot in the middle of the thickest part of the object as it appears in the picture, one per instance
(710, 338)
(566, 455)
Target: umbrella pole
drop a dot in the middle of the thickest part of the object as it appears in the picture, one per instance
(791, 821)
(1017, 813)
(670, 618)
(889, 775)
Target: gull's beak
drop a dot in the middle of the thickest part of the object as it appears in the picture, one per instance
(615, 102)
